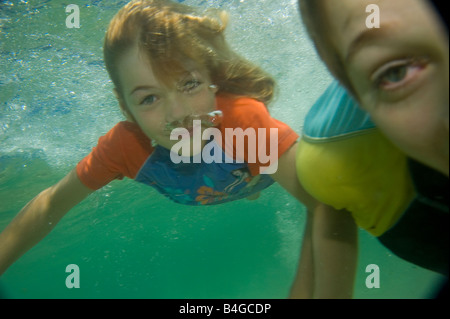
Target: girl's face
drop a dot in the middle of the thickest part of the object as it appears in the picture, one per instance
(400, 72)
(159, 109)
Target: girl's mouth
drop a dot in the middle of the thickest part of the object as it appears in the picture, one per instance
(187, 131)
(188, 125)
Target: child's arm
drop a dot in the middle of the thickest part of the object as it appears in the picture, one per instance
(39, 217)
(335, 253)
(329, 254)
(328, 257)
(303, 286)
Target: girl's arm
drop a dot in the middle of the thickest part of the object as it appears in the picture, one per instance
(39, 217)
(328, 257)
(303, 286)
(335, 253)
(329, 253)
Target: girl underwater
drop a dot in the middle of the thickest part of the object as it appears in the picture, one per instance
(175, 76)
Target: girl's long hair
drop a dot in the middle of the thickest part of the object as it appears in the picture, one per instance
(173, 35)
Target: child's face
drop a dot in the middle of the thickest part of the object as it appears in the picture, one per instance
(400, 72)
(159, 109)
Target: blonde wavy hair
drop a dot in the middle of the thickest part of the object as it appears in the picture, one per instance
(173, 36)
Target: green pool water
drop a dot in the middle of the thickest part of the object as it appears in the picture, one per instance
(127, 240)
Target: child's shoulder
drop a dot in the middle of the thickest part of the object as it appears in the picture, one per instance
(246, 112)
(126, 126)
(240, 107)
(335, 115)
(232, 100)
(128, 129)
(126, 135)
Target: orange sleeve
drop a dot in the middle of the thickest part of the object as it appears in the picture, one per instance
(245, 113)
(119, 153)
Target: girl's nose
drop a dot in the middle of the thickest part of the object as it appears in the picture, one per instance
(178, 108)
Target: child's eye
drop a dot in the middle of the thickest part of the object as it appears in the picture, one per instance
(396, 74)
(190, 85)
(149, 100)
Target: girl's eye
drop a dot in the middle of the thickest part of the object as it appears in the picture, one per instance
(190, 85)
(149, 100)
(395, 74)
